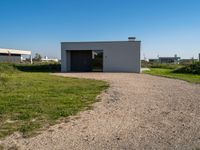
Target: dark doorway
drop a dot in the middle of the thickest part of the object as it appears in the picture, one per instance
(81, 61)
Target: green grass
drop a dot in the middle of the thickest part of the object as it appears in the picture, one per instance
(31, 101)
(170, 74)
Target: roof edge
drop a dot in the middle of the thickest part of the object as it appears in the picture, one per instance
(99, 42)
(14, 51)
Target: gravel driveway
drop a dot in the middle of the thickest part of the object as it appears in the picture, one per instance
(137, 112)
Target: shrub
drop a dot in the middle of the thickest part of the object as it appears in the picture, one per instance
(10, 68)
(191, 69)
(43, 67)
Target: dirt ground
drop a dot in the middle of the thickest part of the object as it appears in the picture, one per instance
(137, 112)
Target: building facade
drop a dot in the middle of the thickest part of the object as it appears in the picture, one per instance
(108, 56)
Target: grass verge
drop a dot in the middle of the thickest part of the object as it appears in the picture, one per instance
(29, 101)
(170, 74)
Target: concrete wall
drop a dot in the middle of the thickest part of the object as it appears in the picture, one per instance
(119, 56)
(13, 59)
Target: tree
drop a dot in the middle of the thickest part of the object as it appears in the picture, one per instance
(37, 57)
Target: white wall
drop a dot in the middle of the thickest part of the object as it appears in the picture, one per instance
(119, 56)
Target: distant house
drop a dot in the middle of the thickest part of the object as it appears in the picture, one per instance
(169, 60)
(46, 59)
(13, 55)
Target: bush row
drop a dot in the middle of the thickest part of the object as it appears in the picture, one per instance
(52, 67)
(192, 69)
(10, 68)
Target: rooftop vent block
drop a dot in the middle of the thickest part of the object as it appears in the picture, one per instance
(131, 38)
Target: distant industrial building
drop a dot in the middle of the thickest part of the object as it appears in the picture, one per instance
(13, 55)
(169, 60)
(46, 59)
(166, 60)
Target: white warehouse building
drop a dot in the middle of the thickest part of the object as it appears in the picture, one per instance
(106, 56)
(13, 55)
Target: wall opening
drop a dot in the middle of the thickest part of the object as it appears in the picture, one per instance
(81, 61)
(97, 60)
(86, 60)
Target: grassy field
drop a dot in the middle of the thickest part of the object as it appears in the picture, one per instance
(31, 101)
(170, 74)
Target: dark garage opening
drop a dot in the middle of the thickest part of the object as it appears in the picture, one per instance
(86, 61)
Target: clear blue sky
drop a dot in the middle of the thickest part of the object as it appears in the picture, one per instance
(165, 27)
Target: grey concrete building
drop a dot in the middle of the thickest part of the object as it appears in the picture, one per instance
(170, 60)
(106, 56)
(13, 55)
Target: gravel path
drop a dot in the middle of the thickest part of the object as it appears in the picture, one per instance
(138, 112)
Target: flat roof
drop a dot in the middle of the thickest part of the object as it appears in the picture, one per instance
(99, 42)
(14, 51)
(169, 57)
